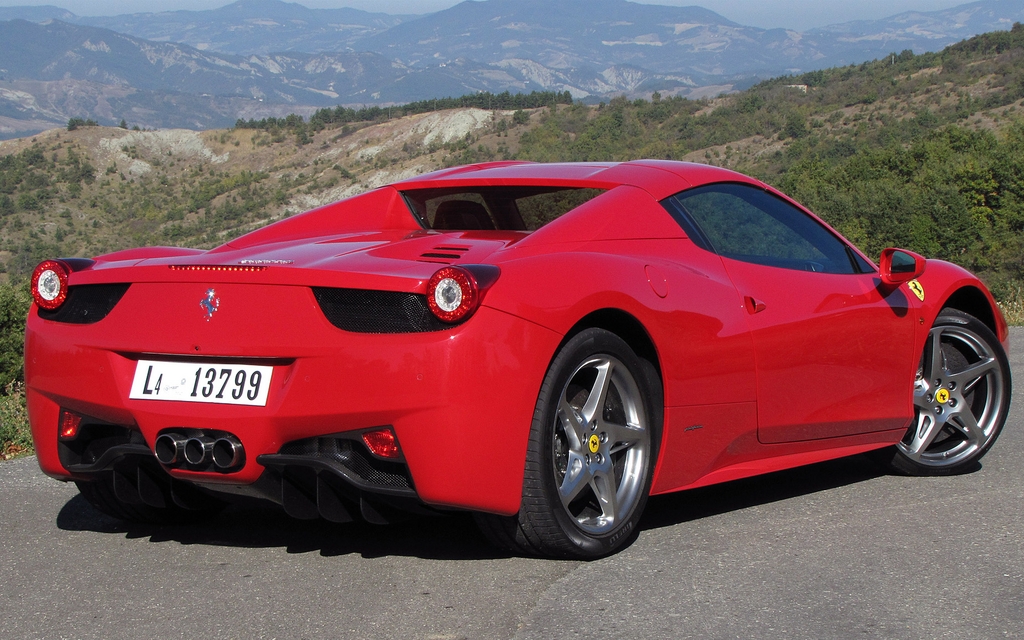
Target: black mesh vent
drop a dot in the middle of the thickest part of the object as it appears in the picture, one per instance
(87, 303)
(353, 456)
(93, 440)
(364, 311)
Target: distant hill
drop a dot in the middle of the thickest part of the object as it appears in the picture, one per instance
(254, 26)
(243, 27)
(57, 70)
(61, 51)
(258, 58)
(40, 13)
(657, 38)
(561, 34)
(53, 71)
(919, 31)
(568, 34)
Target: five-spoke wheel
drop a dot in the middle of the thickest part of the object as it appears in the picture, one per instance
(962, 395)
(600, 444)
(591, 453)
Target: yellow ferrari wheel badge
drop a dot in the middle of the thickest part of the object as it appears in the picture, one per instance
(594, 443)
(942, 396)
(918, 290)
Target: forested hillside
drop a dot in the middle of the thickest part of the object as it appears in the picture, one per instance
(924, 152)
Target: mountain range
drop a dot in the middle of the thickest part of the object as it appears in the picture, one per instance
(257, 58)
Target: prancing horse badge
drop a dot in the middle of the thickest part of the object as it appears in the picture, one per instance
(210, 303)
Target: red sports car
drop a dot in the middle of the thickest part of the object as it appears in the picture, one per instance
(545, 345)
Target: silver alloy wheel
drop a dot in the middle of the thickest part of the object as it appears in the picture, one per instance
(959, 395)
(601, 444)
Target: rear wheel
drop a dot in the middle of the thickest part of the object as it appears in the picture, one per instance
(591, 452)
(962, 397)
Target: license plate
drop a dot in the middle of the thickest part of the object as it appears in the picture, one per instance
(196, 382)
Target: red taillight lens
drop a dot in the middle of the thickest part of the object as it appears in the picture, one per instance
(452, 294)
(50, 284)
(383, 443)
(69, 423)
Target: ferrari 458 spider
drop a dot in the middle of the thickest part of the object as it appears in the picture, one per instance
(545, 345)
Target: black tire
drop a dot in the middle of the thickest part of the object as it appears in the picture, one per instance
(588, 464)
(962, 395)
(101, 494)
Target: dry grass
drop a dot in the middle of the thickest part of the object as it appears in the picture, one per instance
(15, 437)
(1013, 307)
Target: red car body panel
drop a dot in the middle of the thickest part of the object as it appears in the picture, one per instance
(425, 398)
(745, 391)
(825, 344)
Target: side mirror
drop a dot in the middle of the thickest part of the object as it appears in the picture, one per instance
(899, 265)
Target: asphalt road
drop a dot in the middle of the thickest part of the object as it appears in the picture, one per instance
(835, 550)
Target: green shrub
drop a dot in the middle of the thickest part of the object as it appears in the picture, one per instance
(14, 303)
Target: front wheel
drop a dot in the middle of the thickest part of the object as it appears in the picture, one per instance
(591, 454)
(961, 395)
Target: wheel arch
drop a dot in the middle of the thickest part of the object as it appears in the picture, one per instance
(973, 301)
(623, 324)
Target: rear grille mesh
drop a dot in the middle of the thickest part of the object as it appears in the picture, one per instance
(354, 457)
(86, 303)
(365, 311)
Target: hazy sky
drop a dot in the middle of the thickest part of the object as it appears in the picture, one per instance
(793, 14)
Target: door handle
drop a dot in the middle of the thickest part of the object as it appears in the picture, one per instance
(753, 306)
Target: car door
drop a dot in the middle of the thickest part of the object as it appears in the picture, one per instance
(833, 345)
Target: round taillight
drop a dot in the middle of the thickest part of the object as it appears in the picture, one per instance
(452, 294)
(50, 284)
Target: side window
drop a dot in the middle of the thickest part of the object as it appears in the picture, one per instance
(746, 223)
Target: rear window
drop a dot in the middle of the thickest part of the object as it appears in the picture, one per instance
(494, 208)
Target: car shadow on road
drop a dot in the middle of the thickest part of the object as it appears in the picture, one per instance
(677, 508)
(258, 524)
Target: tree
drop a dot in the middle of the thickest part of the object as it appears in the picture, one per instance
(74, 123)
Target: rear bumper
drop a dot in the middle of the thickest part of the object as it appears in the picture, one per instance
(460, 400)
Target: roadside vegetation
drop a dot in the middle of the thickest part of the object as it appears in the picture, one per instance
(919, 151)
(15, 439)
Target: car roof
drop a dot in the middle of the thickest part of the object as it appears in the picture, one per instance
(660, 178)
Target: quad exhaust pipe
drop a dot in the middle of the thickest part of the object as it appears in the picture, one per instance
(224, 452)
(170, 448)
(228, 452)
(198, 450)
